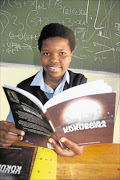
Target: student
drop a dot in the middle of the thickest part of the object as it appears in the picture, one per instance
(56, 45)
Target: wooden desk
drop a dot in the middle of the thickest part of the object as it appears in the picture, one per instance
(99, 162)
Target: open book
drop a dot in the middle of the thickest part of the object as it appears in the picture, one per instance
(84, 114)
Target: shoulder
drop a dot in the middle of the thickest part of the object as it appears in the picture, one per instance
(25, 84)
(77, 78)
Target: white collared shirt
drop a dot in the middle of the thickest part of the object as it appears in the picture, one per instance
(39, 81)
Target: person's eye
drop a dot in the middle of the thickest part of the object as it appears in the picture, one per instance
(62, 53)
(46, 54)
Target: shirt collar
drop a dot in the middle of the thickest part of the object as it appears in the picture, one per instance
(39, 81)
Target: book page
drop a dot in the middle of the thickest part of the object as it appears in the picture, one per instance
(95, 87)
(28, 95)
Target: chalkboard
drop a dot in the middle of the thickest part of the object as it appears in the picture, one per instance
(96, 25)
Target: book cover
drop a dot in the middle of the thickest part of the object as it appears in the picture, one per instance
(29, 116)
(15, 162)
(85, 120)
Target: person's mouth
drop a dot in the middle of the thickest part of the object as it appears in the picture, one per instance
(53, 68)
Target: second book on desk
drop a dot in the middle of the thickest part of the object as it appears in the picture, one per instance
(84, 114)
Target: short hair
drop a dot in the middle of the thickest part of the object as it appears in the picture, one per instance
(57, 30)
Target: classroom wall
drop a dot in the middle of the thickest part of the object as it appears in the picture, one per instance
(12, 74)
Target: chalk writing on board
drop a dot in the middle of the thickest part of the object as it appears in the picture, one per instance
(7, 19)
(95, 24)
(117, 27)
(23, 36)
(118, 47)
(100, 33)
(14, 47)
(107, 14)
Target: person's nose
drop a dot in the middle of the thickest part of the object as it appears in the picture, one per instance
(54, 58)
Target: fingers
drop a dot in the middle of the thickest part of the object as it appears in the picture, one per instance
(9, 134)
(73, 150)
(5, 145)
(8, 140)
(10, 127)
(57, 147)
(78, 150)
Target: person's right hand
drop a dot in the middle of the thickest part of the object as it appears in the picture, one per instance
(6, 138)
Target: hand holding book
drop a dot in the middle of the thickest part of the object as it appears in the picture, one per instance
(9, 134)
(72, 150)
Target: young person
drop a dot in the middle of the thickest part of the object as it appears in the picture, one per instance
(56, 45)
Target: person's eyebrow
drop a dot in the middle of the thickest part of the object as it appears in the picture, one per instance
(45, 50)
(58, 50)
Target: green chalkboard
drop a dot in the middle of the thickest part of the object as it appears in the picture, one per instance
(96, 25)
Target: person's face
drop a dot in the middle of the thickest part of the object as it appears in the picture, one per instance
(55, 56)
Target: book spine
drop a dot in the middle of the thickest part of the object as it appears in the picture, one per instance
(54, 131)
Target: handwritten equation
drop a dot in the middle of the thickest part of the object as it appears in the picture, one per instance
(96, 26)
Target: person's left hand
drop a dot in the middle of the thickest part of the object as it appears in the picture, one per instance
(73, 149)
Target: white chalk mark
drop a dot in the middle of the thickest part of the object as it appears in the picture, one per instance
(97, 17)
(80, 31)
(6, 14)
(109, 31)
(100, 34)
(117, 26)
(15, 19)
(2, 27)
(117, 43)
(77, 57)
(3, 4)
(117, 34)
(33, 11)
(87, 12)
(36, 4)
(112, 49)
(9, 3)
(98, 44)
(89, 50)
(22, 26)
(56, 2)
(102, 20)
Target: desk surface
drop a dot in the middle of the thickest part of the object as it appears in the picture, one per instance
(99, 162)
